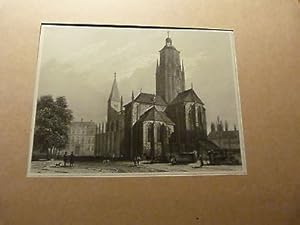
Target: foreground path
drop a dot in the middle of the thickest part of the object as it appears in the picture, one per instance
(94, 168)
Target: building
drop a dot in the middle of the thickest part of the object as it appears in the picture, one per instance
(188, 112)
(147, 127)
(170, 78)
(82, 138)
(227, 140)
(153, 126)
(110, 134)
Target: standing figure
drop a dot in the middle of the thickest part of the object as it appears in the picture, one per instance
(72, 159)
(65, 159)
(138, 159)
(201, 160)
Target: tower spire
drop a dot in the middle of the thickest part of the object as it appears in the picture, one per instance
(113, 106)
(114, 93)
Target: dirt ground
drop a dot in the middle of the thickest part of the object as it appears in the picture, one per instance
(99, 168)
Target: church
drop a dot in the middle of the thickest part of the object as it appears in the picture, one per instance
(153, 126)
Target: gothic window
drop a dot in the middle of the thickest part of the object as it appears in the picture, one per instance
(158, 134)
(112, 126)
(137, 112)
(200, 116)
(191, 117)
(149, 133)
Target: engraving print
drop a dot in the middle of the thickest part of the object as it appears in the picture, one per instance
(136, 101)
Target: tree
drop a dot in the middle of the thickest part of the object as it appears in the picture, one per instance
(52, 121)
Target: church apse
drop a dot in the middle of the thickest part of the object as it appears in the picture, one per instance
(155, 125)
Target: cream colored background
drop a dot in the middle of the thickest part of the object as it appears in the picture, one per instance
(267, 43)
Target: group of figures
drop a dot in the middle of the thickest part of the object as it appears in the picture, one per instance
(69, 158)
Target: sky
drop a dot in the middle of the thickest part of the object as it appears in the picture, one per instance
(80, 62)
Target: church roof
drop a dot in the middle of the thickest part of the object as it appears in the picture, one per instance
(149, 99)
(154, 115)
(114, 93)
(187, 96)
(168, 44)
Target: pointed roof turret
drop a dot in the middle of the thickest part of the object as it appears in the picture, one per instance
(168, 40)
(169, 44)
(114, 93)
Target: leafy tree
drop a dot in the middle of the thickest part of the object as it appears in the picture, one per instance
(52, 121)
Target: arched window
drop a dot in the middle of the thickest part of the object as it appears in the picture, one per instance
(191, 117)
(117, 124)
(112, 126)
(149, 133)
(158, 133)
(200, 116)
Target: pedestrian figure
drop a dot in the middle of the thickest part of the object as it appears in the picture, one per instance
(71, 159)
(65, 159)
(138, 159)
(210, 156)
(201, 160)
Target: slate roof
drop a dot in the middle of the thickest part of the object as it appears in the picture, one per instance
(149, 99)
(187, 96)
(154, 115)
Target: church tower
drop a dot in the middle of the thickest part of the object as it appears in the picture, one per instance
(114, 102)
(170, 78)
